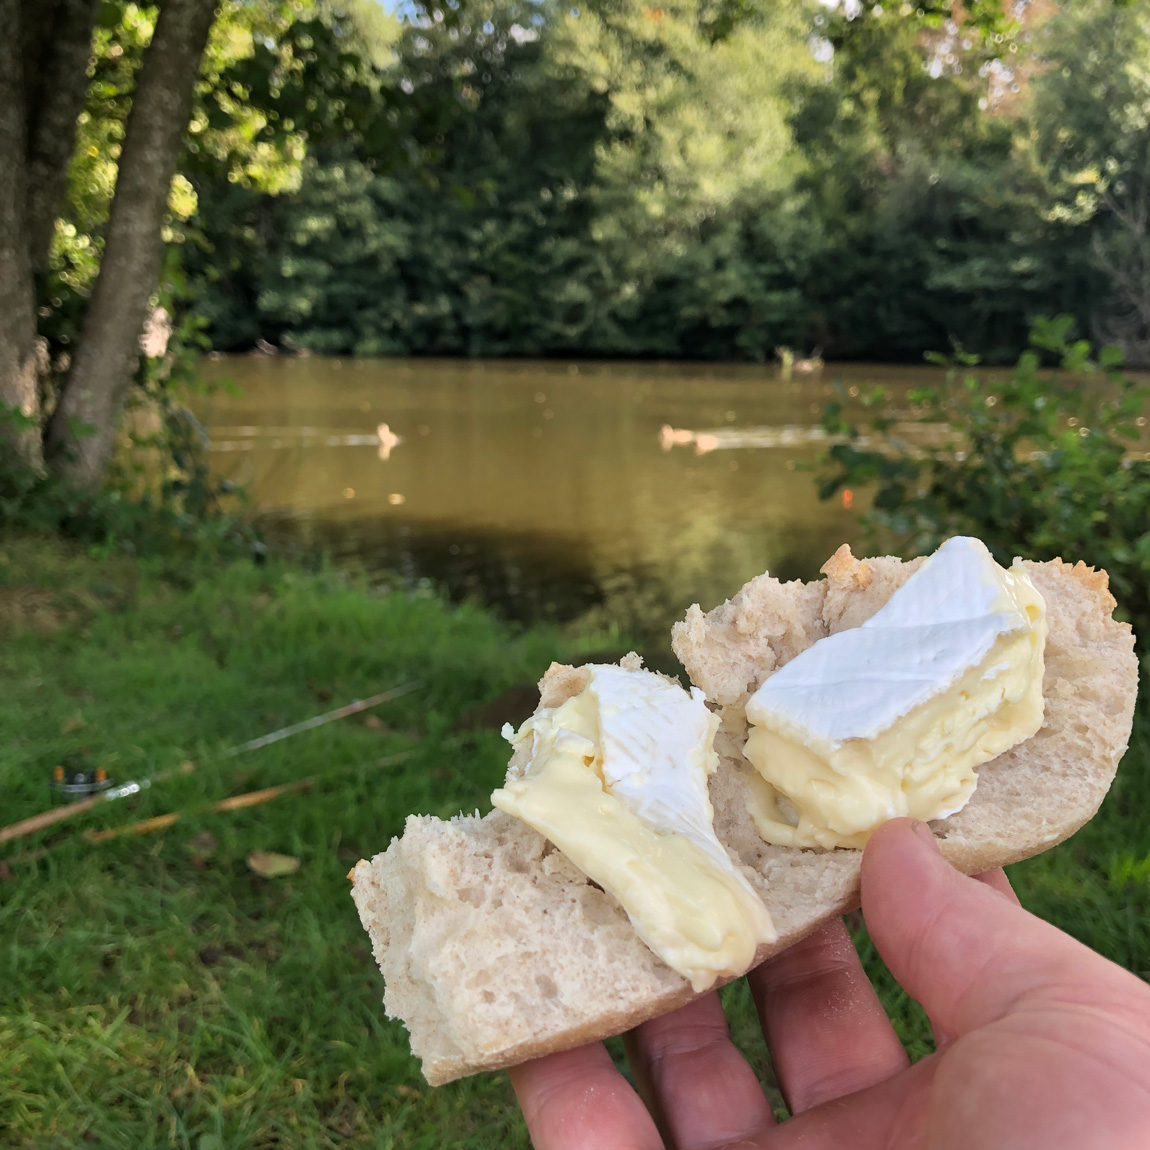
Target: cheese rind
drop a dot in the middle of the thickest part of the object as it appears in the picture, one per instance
(892, 718)
(617, 780)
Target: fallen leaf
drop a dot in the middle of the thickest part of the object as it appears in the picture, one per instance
(374, 723)
(5, 871)
(270, 865)
(407, 1091)
(75, 723)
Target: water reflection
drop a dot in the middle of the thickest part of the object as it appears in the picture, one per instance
(547, 490)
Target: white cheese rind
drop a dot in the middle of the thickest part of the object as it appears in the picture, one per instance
(617, 780)
(857, 683)
(657, 747)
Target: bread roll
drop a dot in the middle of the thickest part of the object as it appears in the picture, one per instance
(495, 949)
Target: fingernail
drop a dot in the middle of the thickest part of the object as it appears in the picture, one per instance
(925, 833)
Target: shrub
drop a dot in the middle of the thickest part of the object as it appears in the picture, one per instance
(1042, 463)
(160, 497)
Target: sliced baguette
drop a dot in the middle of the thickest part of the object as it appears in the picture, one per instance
(495, 949)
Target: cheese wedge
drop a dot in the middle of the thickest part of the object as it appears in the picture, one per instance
(892, 718)
(617, 780)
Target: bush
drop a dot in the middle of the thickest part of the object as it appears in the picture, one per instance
(160, 498)
(1042, 464)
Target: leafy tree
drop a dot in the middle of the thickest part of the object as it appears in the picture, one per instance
(934, 211)
(44, 78)
(686, 180)
(574, 176)
(84, 229)
(697, 158)
(1091, 107)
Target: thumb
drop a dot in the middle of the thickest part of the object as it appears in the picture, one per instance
(964, 951)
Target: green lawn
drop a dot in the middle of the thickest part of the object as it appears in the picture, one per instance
(156, 992)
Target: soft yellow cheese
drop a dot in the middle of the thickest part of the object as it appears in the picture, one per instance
(684, 896)
(830, 781)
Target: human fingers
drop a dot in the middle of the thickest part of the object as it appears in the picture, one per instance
(889, 1115)
(966, 953)
(701, 1089)
(996, 879)
(577, 1100)
(827, 1031)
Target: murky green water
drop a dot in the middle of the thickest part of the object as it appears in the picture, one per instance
(545, 489)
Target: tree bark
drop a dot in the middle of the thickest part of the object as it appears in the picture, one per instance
(57, 45)
(82, 431)
(18, 346)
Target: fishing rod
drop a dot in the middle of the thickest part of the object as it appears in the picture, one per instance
(111, 793)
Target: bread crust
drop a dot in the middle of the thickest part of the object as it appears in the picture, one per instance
(495, 949)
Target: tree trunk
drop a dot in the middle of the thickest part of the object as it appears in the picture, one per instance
(82, 431)
(18, 346)
(57, 45)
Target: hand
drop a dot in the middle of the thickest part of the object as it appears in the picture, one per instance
(1040, 1042)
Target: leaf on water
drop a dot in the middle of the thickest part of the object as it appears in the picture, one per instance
(270, 865)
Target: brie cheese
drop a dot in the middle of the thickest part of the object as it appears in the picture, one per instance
(617, 780)
(892, 718)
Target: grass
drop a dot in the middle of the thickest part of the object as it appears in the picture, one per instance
(154, 991)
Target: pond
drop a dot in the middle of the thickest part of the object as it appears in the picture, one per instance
(618, 493)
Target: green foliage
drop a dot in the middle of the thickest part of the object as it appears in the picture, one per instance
(191, 513)
(515, 177)
(1037, 463)
(1092, 130)
(935, 215)
(616, 180)
(160, 499)
(622, 179)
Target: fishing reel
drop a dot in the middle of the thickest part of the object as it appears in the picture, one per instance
(74, 782)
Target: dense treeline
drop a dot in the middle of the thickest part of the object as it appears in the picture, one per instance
(706, 180)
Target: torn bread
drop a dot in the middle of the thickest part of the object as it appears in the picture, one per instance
(495, 948)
